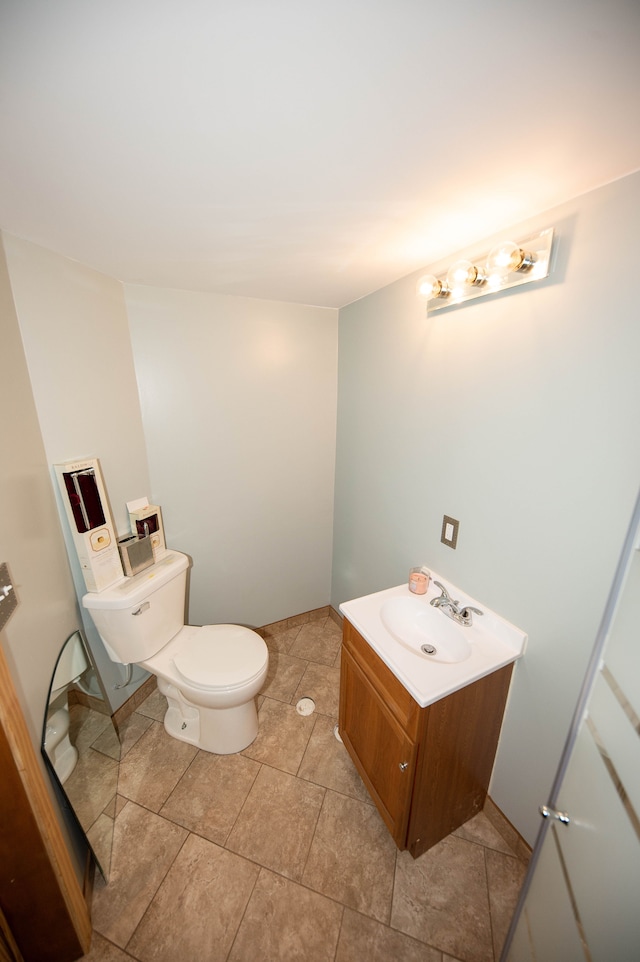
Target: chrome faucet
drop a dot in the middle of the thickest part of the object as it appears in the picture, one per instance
(451, 608)
(444, 600)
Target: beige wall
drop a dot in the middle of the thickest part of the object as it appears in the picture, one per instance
(239, 407)
(31, 541)
(239, 402)
(75, 331)
(516, 414)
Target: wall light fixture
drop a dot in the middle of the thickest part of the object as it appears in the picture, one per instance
(507, 265)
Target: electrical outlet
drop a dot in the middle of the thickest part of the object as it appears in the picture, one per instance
(449, 535)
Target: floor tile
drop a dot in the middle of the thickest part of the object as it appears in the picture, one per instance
(92, 784)
(85, 725)
(322, 683)
(100, 838)
(364, 938)
(442, 899)
(109, 742)
(104, 951)
(155, 705)
(285, 672)
(318, 641)
(278, 852)
(153, 767)
(326, 762)
(505, 875)
(282, 736)
(352, 856)
(144, 846)
(198, 908)
(276, 825)
(130, 731)
(287, 923)
(211, 793)
(280, 639)
(479, 829)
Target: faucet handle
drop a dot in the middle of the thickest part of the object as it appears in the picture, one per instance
(465, 614)
(445, 597)
(445, 593)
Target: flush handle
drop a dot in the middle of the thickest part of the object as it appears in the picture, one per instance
(143, 607)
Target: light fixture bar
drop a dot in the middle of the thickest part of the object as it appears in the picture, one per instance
(508, 264)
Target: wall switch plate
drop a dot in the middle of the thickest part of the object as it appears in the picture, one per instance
(8, 600)
(449, 535)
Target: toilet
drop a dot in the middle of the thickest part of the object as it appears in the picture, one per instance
(71, 665)
(209, 675)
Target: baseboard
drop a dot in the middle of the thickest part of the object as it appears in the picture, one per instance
(76, 697)
(295, 621)
(147, 687)
(335, 616)
(503, 826)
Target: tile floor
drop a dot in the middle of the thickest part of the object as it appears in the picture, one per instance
(277, 854)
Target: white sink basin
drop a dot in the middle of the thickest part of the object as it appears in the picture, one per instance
(425, 630)
(396, 624)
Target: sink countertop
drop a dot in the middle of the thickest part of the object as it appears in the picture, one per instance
(494, 643)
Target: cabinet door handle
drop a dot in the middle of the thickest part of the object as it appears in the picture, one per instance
(403, 766)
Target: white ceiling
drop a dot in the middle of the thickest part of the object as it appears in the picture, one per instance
(304, 151)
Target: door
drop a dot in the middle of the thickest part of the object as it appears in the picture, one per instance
(43, 913)
(380, 748)
(581, 898)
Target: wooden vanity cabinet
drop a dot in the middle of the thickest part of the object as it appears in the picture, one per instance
(427, 769)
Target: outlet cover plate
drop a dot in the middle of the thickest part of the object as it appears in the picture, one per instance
(449, 535)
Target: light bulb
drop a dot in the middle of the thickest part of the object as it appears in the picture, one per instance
(429, 286)
(508, 257)
(463, 274)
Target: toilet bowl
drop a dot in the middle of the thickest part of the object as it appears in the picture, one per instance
(72, 663)
(216, 671)
(210, 675)
(62, 754)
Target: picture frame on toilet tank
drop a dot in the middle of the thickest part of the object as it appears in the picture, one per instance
(86, 506)
(146, 521)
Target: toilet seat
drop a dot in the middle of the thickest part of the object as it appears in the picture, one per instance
(220, 656)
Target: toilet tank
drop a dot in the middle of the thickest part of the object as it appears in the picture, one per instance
(137, 616)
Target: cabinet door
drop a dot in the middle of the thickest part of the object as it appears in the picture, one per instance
(380, 748)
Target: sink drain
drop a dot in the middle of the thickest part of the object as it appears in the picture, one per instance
(428, 649)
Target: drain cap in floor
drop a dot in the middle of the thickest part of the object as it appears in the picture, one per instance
(306, 706)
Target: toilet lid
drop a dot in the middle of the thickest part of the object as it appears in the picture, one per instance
(221, 656)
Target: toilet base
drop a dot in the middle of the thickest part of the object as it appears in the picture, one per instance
(62, 754)
(222, 731)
